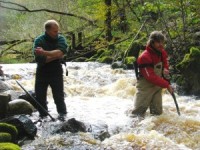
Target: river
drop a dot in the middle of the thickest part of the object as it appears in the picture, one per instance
(97, 94)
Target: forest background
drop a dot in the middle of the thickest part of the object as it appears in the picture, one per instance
(107, 31)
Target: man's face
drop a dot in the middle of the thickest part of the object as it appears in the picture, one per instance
(53, 31)
(158, 45)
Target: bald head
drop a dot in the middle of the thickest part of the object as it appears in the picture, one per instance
(49, 23)
(51, 28)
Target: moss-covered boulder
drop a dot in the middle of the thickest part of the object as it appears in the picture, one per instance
(80, 59)
(106, 59)
(8, 128)
(9, 146)
(5, 137)
(190, 72)
(129, 62)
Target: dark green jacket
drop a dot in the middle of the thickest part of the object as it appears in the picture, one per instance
(49, 44)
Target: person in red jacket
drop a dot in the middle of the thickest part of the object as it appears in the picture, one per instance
(153, 65)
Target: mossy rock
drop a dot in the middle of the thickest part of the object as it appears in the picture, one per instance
(191, 61)
(8, 128)
(99, 52)
(91, 59)
(80, 59)
(5, 137)
(9, 146)
(129, 62)
(106, 53)
(106, 59)
(190, 72)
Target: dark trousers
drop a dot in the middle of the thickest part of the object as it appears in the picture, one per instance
(56, 83)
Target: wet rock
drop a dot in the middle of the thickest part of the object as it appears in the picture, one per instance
(100, 131)
(14, 94)
(24, 125)
(3, 87)
(4, 100)
(118, 64)
(28, 98)
(72, 125)
(20, 106)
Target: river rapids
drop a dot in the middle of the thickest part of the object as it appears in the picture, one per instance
(99, 95)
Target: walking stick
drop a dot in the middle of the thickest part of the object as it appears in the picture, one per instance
(173, 95)
(175, 101)
(53, 119)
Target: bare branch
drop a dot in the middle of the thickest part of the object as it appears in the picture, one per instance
(22, 8)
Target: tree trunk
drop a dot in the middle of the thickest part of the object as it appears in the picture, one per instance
(80, 41)
(73, 38)
(108, 4)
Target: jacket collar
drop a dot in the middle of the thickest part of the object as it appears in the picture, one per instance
(152, 50)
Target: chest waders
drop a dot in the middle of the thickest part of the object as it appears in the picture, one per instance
(148, 95)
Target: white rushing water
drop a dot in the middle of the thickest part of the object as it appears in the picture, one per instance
(96, 94)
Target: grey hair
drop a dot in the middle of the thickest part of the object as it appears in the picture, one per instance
(156, 36)
(48, 24)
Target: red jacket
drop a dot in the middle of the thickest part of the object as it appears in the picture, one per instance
(149, 56)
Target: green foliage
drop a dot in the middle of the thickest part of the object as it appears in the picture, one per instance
(178, 20)
(11, 59)
(8, 128)
(5, 137)
(9, 146)
(130, 60)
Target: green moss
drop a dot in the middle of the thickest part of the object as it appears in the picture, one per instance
(5, 137)
(99, 52)
(9, 146)
(8, 128)
(106, 53)
(129, 60)
(106, 59)
(191, 61)
(80, 59)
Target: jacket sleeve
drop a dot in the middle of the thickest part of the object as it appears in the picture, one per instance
(149, 74)
(38, 58)
(62, 44)
(164, 58)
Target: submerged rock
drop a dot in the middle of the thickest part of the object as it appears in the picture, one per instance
(100, 131)
(72, 125)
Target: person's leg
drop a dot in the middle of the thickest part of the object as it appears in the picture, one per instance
(143, 97)
(41, 86)
(156, 103)
(58, 93)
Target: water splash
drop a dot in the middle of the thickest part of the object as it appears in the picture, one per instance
(96, 94)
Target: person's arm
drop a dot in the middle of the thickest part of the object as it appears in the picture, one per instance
(38, 58)
(50, 55)
(54, 54)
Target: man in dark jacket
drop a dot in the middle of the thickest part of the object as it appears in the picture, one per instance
(153, 65)
(49, 49)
